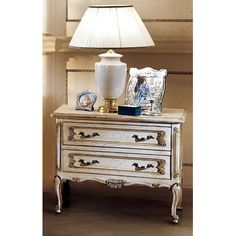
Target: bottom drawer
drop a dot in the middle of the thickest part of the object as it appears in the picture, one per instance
(116, 163)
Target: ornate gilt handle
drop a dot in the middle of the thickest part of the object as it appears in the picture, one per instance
(161, 138)
(137, 139)
(161, 166)
(137, 167)
(83, 163)
(88, 135)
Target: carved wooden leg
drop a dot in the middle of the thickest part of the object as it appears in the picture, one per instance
(180, 203)
(58, 186)
(176, 190)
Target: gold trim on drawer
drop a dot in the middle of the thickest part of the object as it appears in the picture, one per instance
(137, 165)
(130, 137)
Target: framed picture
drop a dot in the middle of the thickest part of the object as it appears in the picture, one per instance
(86, 100)
(146, 88)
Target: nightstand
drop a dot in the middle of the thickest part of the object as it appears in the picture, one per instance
(120, 151)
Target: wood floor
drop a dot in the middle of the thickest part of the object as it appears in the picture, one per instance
(92, 214)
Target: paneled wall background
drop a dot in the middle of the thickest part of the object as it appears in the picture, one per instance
(67, 72)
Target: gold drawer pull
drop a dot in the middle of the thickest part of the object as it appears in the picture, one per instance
(88, 135)
(161, 138)
(137, 139)
(161, 166)
(83, 163)
(137, 167)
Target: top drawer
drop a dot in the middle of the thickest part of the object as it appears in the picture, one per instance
(124, 135)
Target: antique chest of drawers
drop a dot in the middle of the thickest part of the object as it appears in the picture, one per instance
(119, 151)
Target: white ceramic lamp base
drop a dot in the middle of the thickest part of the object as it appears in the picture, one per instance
(110, 76)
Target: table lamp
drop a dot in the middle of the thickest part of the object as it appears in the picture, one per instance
(110, 27)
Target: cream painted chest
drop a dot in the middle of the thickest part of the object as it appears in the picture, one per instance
(120, 151)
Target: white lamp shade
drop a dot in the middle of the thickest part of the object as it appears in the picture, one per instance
(111, 26)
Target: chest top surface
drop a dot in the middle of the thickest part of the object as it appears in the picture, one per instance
(167, 115)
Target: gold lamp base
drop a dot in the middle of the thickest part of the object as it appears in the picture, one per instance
(110, 106)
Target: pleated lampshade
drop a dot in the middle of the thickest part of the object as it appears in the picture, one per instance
(111, 26)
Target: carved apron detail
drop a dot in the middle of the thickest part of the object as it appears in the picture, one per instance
(75, 179)
(115, 183)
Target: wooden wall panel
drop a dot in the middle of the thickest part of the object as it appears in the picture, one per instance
(173, 62)
(54, 86)
(173, 30)
(48, 16)
(54, 15)
(48, 123)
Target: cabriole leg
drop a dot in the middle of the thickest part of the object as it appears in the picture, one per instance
(176, 190)
(58, 186)
(180, 203)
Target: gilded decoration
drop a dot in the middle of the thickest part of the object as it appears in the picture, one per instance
(71, 160)
(156, 185)
(115, 183)
(161, 166)
(71, 133)
(76, 179)
(161, 138)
